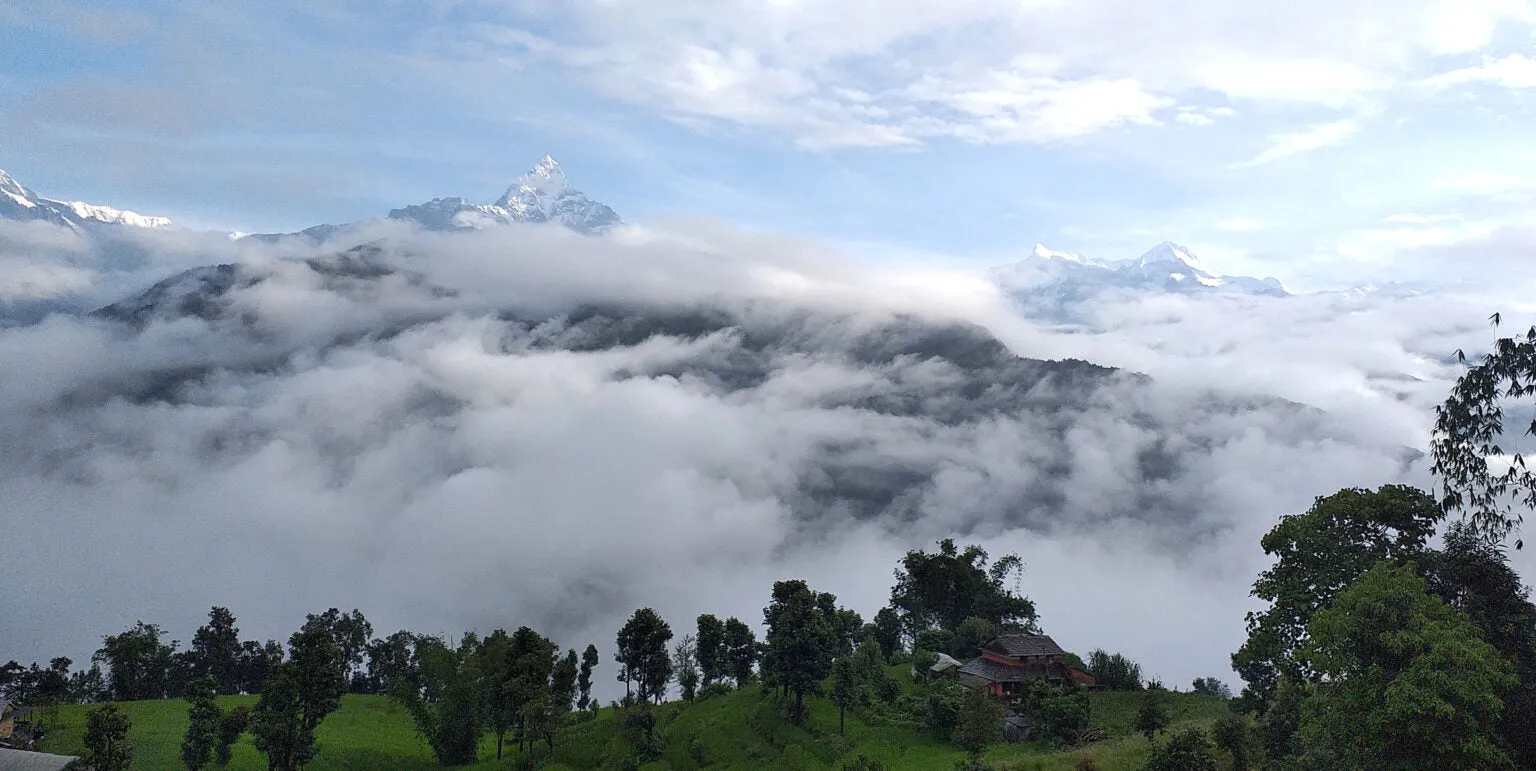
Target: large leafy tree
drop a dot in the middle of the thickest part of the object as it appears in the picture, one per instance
(1114, 671)
(297, 698)
(943, 589)
(531, 668)
(1469, 432)
(1318, 554)
(1472, 574)
(641, 651)
(1407, 682)
(392, 659)
(447, 708)
(138, 663)
(217, 652)
(804, 635)
(351, 632)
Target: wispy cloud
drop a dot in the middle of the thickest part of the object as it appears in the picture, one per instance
(1512, 71)
(1287, 144)
(1239, 225)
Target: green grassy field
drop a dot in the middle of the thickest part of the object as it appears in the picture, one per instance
(738, 731)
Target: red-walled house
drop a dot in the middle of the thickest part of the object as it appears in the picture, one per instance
(1009, 660)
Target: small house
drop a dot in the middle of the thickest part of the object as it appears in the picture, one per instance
(1007, 661)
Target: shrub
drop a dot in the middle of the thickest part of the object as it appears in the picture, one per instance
(1184, 751)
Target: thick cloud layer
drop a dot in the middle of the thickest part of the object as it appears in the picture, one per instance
(527, 426)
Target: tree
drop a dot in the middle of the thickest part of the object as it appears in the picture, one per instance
(741, 651)
(106, 739)
(980, 723)
(1152, 716)
(941, 590)
(1187, 750)
(584, 677)
(532, 666)
(973, 633)
(1468, 429)
(1114, 671)
(392, 658)
(1232, 736)
(641, 651)
(710, 649)
(1318, 554)
(297, 698)
(350, 632)
(562, 688)
(202, 723)
(231, 725)
(257, 663)
(1472, 574)
(1210, 686)
(845, 688)
(138, 663)
(888, 631)
(802, 639)
(1408, 682)
(683, 660)
(447, 708)
(88, 686)
(216, 651)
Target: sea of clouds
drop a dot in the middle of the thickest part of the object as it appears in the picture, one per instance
(402, 445)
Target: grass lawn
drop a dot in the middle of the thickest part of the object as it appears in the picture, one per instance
(738, 731)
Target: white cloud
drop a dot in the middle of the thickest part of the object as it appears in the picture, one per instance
(864, 72)
(1513, 71)
(1295, 143)
(414, 453)
(1239, 224)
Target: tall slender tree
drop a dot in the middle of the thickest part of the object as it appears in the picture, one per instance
(202, 723)
(217, 652)
(802, 639)
(710, 649)
(741, 651)
(584, 677)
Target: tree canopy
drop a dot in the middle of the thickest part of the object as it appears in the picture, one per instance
(943, 589)
(1469, 429)
(1408, 681)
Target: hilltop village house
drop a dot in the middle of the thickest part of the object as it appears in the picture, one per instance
(1008, 661)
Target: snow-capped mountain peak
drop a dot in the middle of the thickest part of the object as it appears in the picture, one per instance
(1168, 253)
(1049, 280)
(1043, 252)
(19, 202)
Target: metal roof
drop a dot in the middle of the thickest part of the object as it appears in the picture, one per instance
(19, 760)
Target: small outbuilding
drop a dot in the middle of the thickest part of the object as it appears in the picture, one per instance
(20, 760)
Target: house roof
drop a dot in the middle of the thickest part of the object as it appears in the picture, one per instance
(1025, 645)
(995, 672)
(19, 760)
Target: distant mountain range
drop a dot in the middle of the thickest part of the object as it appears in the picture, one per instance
(542, 195)
(17, 202)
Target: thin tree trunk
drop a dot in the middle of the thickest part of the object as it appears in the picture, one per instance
(500, 736)
(841, 721)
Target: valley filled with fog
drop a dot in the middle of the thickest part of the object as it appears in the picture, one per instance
(525, 425)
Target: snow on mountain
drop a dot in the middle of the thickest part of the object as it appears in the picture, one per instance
(17, 202)
(542, 195)
(1054, 278)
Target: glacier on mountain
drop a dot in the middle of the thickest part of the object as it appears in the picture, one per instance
(17, 202)
(1049, 280)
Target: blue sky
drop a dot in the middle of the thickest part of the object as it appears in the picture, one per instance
(1390, 141)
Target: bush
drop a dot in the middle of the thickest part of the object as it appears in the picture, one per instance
(699, 751)
(864, 763)
(1233, 737)
(1114, 671)
(714, 690)
(1184, 751)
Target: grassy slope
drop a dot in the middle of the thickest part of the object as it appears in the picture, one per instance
(739, 731)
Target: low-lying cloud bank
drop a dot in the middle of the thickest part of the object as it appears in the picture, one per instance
(528, 426)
